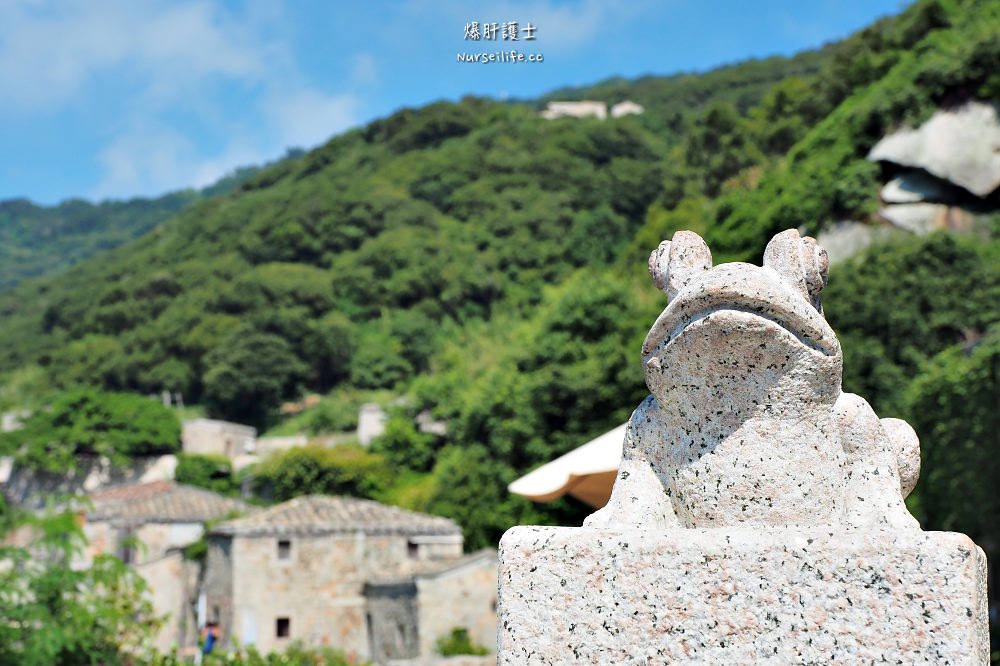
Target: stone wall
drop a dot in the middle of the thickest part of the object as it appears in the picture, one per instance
(431, 548)
(318, 587)
(155, 551)
(222, 438)
(217, 586)
(33, 488)
(462, 596)
(151, 541)
(392, 620)
(173, 583)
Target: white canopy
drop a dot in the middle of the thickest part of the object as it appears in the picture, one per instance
(587, 473)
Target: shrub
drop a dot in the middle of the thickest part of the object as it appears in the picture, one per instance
(119, 426)
(459, 642)
(213, 472)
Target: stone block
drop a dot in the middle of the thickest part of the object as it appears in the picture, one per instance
(740, 596)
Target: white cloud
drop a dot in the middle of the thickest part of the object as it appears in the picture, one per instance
(152, 159)
(52, 52)
(305, 118)
(175, 69)
(138, 161)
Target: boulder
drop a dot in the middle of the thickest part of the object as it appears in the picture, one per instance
(918, 218)
(846, 238)
(923, 218)
(960, 145)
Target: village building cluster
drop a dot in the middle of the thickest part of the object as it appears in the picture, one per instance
(380, 583)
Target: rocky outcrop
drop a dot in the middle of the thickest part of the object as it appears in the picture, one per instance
(960, 145)
(944, 173)
(846, 238)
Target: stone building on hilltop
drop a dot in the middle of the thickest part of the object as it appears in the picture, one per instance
(375, 581)
(148, 526)
(582, 109)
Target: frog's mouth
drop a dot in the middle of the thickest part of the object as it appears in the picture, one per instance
(749, 289)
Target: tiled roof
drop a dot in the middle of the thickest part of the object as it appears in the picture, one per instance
(320, 514)
(159, 502)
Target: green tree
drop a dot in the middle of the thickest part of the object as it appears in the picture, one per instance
(404, 446)
(471, 489)
(213, 472)
(899, 304)
(380, 359)
(458, 642)
(246, 378)
(952, 404)
(86, 421)
(347, 469)
(54, 613)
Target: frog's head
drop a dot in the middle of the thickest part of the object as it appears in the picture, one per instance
(754, 336)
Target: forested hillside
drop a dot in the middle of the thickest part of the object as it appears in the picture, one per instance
(39, 240)
(491, 265)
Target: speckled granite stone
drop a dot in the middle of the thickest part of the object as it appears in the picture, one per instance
(746, 423)
(740, 596)
(758, 513)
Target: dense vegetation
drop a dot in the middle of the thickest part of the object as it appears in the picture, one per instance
(118, 426)
(920, 326)
(491, 265)
(39, 240)
(74, 616)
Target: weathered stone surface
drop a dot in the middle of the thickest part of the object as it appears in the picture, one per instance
(758, 513)
(844, 239)
(917, 218)
(374, 581)
(740, 596)
(961, 145)
(32, 489)
(746, 423)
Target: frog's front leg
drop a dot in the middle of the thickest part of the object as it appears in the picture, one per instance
(638, 498)
(883, 464)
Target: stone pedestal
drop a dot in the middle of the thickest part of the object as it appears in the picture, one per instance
(740, 596)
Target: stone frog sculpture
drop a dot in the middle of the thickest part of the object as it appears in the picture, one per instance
(746, 424)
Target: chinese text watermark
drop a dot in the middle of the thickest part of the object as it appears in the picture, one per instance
(508, 31)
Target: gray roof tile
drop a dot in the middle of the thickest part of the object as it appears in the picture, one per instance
(160, 502)
(321, 514)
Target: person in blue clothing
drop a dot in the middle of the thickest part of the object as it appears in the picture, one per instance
(210, 635)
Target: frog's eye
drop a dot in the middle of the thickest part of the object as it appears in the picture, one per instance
(800, 262)
(675, 263)
(815, 266)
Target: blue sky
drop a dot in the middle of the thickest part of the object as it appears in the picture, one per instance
(118, 98)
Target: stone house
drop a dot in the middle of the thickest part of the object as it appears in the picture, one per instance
(221, 438)
(626, 108)
(148, 525)
(375, 581)
(582, 109)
